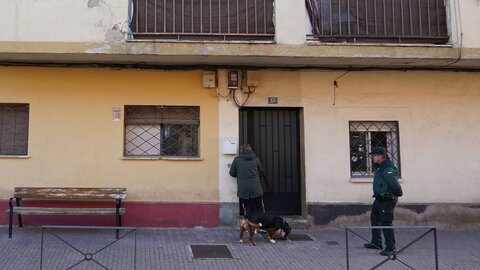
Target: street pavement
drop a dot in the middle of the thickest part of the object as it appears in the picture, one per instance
(171, 248)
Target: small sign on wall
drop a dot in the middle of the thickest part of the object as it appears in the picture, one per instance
(272, 100)
(115, 114)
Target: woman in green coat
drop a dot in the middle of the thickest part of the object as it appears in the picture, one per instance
(247, 169)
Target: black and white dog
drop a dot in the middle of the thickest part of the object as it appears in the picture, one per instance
(272, 224)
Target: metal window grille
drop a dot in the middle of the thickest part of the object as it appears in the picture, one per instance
(364, 136)
(161, 131)
(400, 21)
(202, 19)
(14, 129)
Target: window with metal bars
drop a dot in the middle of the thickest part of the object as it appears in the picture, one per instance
(398, 21)
(202, 19)
(364, 135)
(14, 129)
(161, 131)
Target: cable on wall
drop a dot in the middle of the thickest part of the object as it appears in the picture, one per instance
(335, 84)
(458, 24)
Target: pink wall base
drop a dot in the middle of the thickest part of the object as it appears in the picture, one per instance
(138, 214)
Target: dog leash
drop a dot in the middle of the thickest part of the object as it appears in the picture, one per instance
(269, 188)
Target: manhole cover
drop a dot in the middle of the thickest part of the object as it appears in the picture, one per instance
(300, 237)
(211, 251)
(331, 243)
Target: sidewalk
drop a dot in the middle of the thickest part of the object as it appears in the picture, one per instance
(170, 249)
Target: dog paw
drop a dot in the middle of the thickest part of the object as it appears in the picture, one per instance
(272, 241)
(240, 241)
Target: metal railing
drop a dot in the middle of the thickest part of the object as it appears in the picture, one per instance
(395, 256)
(161, 131)
(202, 19)
(364, 135)
(81, 245)
(14, 129)
(402, 21)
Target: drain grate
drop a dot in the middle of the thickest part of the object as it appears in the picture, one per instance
(332, 243)
(300, 237)
(211, 251)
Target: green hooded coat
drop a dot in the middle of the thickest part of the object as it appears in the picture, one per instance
(247, 169)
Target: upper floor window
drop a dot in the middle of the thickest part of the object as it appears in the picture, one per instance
(161, 131)
(396, 21)
(368, 134)
(14, 129)
(202, 19)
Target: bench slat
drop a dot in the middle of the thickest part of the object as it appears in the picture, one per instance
(70, 193)
(65, 211)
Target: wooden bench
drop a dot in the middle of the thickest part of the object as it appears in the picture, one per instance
(65, 194)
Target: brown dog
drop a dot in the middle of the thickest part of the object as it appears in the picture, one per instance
(272, 224)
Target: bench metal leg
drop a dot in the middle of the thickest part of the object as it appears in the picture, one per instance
(20, 224)
(118, 220)
(10, 218)
(10, 224)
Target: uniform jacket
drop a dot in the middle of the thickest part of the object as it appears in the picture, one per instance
(385, 181)
(247, 169)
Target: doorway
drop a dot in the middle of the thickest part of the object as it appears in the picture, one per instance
(274, 135)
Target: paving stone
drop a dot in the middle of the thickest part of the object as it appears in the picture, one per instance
(170, 249)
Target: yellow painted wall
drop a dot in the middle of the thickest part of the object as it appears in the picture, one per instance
(438, 115)
(74, 142)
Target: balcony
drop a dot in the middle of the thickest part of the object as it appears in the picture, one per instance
(202, 20)
(379, 21)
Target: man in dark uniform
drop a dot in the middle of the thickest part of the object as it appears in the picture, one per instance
(386, 191)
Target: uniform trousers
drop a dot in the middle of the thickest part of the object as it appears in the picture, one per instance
(382, 215)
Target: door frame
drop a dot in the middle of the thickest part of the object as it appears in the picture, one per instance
(301, 146)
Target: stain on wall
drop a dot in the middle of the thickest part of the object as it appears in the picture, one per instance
(115, 34)
(440, 215)
(94, 3)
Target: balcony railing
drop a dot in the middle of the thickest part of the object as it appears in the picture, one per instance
(202, 19)
(398, 21)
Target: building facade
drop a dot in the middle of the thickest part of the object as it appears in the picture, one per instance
(156, 96)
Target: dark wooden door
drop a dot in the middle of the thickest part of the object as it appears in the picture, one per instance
(274, 135)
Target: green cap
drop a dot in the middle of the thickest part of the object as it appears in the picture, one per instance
(378, 151)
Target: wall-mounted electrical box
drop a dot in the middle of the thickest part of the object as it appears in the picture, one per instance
(233, 78)
(252, 78)
(230, 146)
(209, 79)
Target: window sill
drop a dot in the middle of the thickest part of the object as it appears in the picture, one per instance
(314, 42)
(14, 157)
(164, 158)
(201, 41)
(367, 180)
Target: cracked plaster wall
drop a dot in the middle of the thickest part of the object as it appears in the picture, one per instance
(64, 20)
(106, 21)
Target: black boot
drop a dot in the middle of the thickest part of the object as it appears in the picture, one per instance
(373, 246)
(388, 252)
